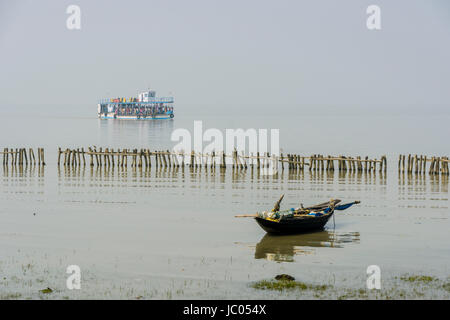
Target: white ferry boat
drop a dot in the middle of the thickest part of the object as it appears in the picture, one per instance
(145, 107)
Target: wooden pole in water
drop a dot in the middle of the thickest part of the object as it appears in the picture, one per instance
(168, 159)
(139, 157)
(164, 159)
(119, 158)
(91, 157)
(438, 165)
(65, 157)
(95, 156)
(446, 166)
(100, 160)
(136, 158)
(150, 154)
(213, 159)
(71, 157)
(419, 164)
(111, 157)
(222, 165)
(43, 156)
(431, 169)
(176, 159)
(84, 159)
(105, 156)
(74, 157)
(78, 157)
(25, 156)
(191, 164)
(416, 164)
(144, 155)
(20, 157)
(408, 169)
(59, 155)
(6, 156)
(258, 163)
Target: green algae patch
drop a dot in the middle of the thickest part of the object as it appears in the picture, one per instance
(418, 278)
(287, 285)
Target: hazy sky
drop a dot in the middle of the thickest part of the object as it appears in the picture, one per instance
(227, 53)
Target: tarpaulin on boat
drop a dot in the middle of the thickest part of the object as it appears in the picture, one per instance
(344, 206)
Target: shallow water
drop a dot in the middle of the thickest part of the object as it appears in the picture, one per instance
(170, 224)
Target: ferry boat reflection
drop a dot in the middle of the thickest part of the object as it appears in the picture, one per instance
(285, 248)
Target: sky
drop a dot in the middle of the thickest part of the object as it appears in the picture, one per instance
(216, 54)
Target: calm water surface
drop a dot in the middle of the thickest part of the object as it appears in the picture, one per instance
(175, 223)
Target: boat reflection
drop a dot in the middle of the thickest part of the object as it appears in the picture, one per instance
(285, 248)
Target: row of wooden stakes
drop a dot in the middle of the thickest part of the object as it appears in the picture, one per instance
(19, 156)
(143, 158)
(418, 164)
(322, 163)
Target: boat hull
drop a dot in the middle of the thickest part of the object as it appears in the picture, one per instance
(292, 226)
(155, 117)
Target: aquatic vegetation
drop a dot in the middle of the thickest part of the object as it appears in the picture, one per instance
(46, 290)
(10, 296)
(418, 278)
(287, 285)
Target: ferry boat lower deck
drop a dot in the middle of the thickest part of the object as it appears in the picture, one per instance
(146, 107)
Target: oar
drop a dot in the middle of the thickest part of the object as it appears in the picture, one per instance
(246, 215)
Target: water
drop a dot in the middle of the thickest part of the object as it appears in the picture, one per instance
(173, 231)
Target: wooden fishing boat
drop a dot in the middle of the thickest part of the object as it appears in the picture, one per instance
(295, 224)
(298, 220)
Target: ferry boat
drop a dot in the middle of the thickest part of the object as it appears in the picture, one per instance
(145, 107)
